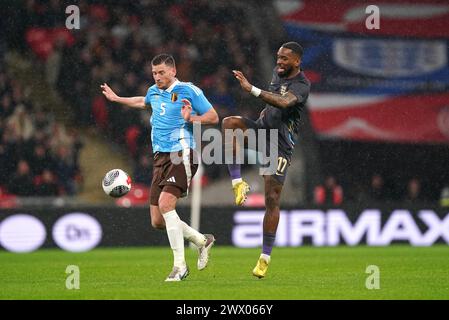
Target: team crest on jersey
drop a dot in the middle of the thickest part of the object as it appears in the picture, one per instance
(283, 89)
(174, 97)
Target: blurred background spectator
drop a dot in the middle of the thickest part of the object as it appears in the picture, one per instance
(143, 171)
(21, 182)
(29, 143)
(377, 191)
(329, 194)
(45, 184)
(413, 194)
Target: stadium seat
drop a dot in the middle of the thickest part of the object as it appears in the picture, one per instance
(7, 200)
(99, 12)
(40, 42)
(132, 133)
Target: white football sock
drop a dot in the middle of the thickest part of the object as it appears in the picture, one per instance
(235, 181)
(175, 237)
(192, 235)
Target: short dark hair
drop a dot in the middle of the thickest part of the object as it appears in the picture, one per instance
(295, 47)
(163, 58)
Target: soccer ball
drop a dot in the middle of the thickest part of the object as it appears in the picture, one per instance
(116, 183)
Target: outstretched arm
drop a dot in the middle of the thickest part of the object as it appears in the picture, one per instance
(133, 102)
(286, 100)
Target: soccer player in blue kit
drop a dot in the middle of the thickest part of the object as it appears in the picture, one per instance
(175, 106)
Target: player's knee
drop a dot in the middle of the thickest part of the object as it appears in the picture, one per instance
(165, 206)
(230, 122)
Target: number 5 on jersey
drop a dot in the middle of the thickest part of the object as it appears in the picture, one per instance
(162, 109)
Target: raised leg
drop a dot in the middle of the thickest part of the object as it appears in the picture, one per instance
(235, 145)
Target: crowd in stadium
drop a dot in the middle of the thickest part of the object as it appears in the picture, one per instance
(115, 45)
(38, 156)
(377, 190)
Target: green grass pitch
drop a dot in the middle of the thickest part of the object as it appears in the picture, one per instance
(295, 273)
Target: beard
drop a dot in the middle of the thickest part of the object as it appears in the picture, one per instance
(284, 72)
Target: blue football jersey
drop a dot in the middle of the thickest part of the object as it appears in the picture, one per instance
(170, 132)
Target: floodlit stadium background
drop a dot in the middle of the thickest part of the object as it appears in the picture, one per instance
(372, 165)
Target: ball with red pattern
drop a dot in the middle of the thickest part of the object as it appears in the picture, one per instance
(116, 183)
